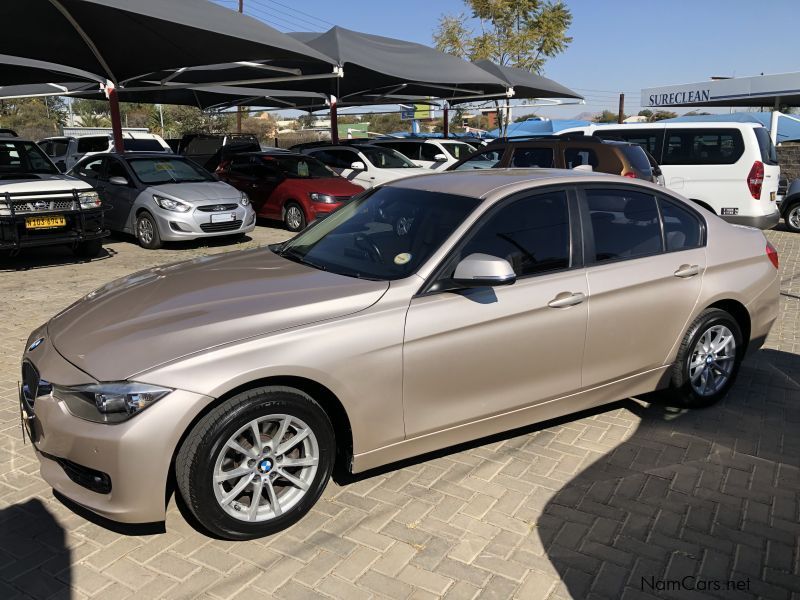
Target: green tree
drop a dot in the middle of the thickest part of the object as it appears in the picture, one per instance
(646, 113)
(518, 33)
(660, 115)
(522, 118)
(33, 117)
(607, 117)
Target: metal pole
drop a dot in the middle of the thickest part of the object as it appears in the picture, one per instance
(161, 116)
(621, 115)
(239, 108)
(334, 122)
(116, 121)
(446, 121)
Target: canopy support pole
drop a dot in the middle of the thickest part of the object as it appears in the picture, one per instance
(116, 120)
(446, 121)
(334, 122)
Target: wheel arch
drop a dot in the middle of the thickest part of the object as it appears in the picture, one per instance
(788, 202)
(740, 313)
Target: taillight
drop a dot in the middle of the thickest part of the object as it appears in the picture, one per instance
(630, 174)
(772, 254)
(755, 179)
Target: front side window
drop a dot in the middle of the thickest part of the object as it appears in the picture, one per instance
(682, 229)
(114, 168)
(532, 234)
(386, 158)
(157, 171)
(91, 168)
(575, 157)
(488, 159)
(703, 147)
(338, 159)
(625, 224)
(532, 158)
(386, 234)
(458, 151)
(429, 152)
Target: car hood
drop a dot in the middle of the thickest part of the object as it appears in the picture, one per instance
(155, 316)
(335, 186)
(205, 191)
(42, 183)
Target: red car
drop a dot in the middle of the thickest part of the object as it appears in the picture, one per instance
(294, 188)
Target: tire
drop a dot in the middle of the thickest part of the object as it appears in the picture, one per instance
(88, 249)
(706, 389)
(294, 219)
(147, 232)
(224, 509)
(792, 218)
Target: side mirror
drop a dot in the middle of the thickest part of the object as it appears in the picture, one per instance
(358, 166)
(118, 180)
(480, 270)
(439, 158)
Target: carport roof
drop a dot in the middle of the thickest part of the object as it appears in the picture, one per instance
(525, 83)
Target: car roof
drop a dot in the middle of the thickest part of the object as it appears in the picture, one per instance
(482, 183)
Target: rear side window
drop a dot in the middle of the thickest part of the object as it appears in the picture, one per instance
(625, 224)
(575, 157)
(408, 149)
(769, 155)
(429, 152)
(532, 234)
(637, 158)
(338, 159)
(702, 147)
(532, 157)
(488, 159)
(93, 144)
(682, 229)
(649, 140)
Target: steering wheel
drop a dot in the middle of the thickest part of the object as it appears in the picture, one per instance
(368, 246)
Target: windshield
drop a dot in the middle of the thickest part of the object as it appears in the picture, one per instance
(488, 159)
(300, 167)
(768, 153)
(387, 234)
(386, 158)
(21, 158)
(458, 151)
(155, 171)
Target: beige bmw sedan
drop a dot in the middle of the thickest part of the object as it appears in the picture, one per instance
(424, 313)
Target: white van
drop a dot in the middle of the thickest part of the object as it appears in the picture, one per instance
(729, 168)
(429, 153)
(65, 151)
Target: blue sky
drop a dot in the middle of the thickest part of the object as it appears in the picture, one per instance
(619, 45)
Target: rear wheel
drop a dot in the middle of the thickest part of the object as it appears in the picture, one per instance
(257, 463)
(792, 218)
(294, 218)
(147, 232)
(708, 360)
(88, 249)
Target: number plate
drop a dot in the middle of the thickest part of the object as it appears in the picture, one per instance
(772, 196)
(45, 222)
(223, 218)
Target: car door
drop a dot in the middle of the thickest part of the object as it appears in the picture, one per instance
(90, 170)
(117, 196)
(642, 294)
(472, 354)
(266, 178)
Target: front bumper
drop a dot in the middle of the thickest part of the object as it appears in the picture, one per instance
(135, 455)
(81, 226)
(175, 226)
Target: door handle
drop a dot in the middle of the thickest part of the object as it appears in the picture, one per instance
(685, 271)
(565, 299)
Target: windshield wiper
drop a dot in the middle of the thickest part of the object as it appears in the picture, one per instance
(294, 255)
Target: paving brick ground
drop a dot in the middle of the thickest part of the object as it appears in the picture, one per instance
(614, 504)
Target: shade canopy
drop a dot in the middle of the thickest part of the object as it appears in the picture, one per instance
(122, 40)
(525, 83)
(375, 66)
(16, 70)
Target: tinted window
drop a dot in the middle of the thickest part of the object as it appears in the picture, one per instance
(241, 165)
(768, 153)
(203, 145)
(24, 157)
(532, 157)
(98, 143)
(702, 147)
(140, 145)
(383, 235)
(682, 229)
(637, 158)
(299, 167)
(531, 234)
(338, 159)
(646, 139)
(429, 152)
(408, 149)
(575, 157)
(59, 148)
(488, 159)
(458, 151)
(386, 158)
(625, 224)
(91, 168)
(114, 168)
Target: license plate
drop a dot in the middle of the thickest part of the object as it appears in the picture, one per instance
(772, 196)
(223, 218)
(45, 222)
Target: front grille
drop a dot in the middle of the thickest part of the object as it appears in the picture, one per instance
(216, 207)
(43, 205)
(93, 480)
(214, 227)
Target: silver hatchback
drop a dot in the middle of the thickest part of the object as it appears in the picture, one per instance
(162, 198)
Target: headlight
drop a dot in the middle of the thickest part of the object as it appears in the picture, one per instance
(245, 201)
(109, 402)
(172, 204)
(89, 199)
(324, 198)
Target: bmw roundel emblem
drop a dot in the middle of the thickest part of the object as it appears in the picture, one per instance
(35, 345)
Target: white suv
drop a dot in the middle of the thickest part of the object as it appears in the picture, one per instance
(66, 151)
(365, 164)
(428, 153)
(728, 168)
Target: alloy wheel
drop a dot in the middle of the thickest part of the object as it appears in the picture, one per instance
(266, 467)
(711, 363)
(294, 218)
(794, 217)
(145, 231)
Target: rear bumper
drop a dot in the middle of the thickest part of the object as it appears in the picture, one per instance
(759, 222)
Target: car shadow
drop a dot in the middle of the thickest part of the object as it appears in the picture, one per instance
(36, 557)
(49, 256)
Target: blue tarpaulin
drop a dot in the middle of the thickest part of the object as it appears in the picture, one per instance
(539, 127)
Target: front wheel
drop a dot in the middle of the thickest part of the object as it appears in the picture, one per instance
(792, 218)
(708, 360)
(294, 218)
(147, 232)
(256, 463)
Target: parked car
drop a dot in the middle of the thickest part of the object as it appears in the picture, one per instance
(728, 168)
(165, 198)
(512, 297)
(428, 153)
(66, 151)
(545, 152)
(790, 206)
(364, 164)
(206, 149)
(292, 187)
(41, 207)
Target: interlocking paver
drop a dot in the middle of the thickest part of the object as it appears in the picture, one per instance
(584, 507)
